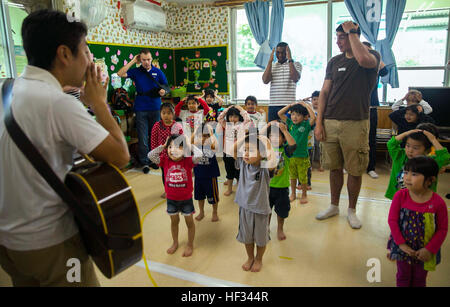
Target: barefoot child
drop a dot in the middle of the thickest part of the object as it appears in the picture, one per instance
(252, 196)
(418, 220)
(178, 165)
(163, 129)
(299, 128)
(232, 121)
(418, 143)
(207, 171)
(284, 146)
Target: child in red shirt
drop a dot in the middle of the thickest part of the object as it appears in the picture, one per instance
(178, 165)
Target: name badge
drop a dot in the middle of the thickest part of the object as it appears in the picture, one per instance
(154, 74)
(342, 69)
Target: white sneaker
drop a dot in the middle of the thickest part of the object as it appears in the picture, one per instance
(353, 220)
(373, 174)
(331, 211)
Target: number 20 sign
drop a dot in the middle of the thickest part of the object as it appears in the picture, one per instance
(199, 70)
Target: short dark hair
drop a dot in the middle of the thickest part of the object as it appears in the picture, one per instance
(251, 98)
(209, 92)
(315, 94)
(420, 137)
(167, 105)
(270, 130)
(43, 31)
(341, 29)
(191, 97)
(298, 108)
(179, 138)
(424, 165)
(145, 51)
(282, 44)
(233, 111)
(413, 108)
(432, 128)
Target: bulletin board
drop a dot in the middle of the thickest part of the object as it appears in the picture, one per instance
(202, 68)
(196, 68)
(112, 57)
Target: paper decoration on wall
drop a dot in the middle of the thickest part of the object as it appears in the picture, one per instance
(107, 49)
(219, 54)
(104, 69)
(131, 56)
(118, 52)
(112, 67)
(116, 81)
(165, 66)
(114, 59)
(127, 84)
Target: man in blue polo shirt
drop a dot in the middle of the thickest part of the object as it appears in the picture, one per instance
(148, 99)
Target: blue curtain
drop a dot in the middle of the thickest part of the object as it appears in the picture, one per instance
(258, 18)
(359, 10)
(394, 14)
(276, 23)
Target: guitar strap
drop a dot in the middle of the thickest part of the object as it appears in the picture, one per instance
(150, 76)
(44, 169)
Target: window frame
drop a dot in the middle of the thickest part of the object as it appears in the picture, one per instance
(235, 70)
(7, 40)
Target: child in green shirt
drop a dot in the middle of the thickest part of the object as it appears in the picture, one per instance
(284, 146)
(418, 143)
(299, 128)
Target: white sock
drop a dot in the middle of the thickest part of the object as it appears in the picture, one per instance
(332, 210)
(353, 220)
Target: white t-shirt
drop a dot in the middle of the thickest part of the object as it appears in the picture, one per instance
(282, 88)
(258, 119)
(32, 215)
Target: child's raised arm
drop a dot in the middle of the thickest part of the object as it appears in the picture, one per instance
(154, 154)
(433, 140)
(178, 107)
(403, 135)
(312, 115)
(282, 112)
(204, 105)
(291, 141)
(220, 100)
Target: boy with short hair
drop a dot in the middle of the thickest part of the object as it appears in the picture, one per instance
(299, 128)
(284, 146)
(258, 117)
(252, 196)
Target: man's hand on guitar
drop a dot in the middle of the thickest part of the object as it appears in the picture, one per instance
(162, 92)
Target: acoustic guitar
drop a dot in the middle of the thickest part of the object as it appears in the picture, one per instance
(108, 201)
(98, 194)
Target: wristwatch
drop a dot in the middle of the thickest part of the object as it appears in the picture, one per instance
(354, 31)
(291, 61)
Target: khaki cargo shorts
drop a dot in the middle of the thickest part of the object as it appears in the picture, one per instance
(346, 145)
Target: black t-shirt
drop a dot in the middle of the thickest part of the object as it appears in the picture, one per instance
(349, 98)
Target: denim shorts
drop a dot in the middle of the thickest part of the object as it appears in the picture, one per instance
(186, 207)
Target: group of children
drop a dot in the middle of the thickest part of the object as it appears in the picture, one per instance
(268, 160)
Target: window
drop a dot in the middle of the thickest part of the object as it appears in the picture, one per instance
(17, 15)
(309, 49)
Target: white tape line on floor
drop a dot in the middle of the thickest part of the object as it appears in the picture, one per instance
(188, 276)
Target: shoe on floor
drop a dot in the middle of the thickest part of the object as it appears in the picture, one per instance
(373, 174)
(332, 210)
(353, 220)
(146, 169)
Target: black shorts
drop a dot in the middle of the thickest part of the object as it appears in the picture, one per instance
(186, 207)
(206, 188)
(230, 167)
(279, 197)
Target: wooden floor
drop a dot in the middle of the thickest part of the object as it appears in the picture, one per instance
(316, 253)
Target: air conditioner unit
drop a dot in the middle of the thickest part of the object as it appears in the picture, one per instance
(144, 15)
